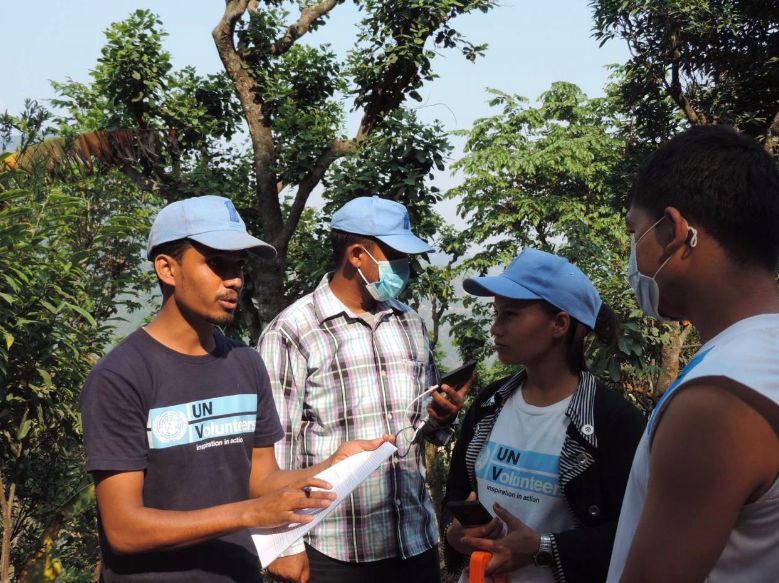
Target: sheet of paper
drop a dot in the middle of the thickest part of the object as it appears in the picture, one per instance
(344, 476)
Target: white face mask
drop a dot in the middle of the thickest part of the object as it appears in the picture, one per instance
(644, 287)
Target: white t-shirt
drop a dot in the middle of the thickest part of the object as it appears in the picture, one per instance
(519, 468)
(748, 353)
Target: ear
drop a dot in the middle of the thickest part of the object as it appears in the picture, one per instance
(677, 231)
(355, 255)
(166, 267)
(562, 321)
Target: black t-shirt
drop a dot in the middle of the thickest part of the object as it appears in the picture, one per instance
(190, 423)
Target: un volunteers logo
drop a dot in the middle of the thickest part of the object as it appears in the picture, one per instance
(483, 460)
(170, 426)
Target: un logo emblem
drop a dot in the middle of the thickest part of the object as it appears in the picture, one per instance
(234, 217)
(170, 426)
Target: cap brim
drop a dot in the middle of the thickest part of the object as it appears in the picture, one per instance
(235, 241)
(498, 286)
(408, 244)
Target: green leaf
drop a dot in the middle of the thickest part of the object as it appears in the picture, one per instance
(87, 316)
(45, 376)
(24, 428)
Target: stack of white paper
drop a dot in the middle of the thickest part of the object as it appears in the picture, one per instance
(344, 476)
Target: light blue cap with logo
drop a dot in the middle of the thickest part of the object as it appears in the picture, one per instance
(210, 220)
(537, 275)
(382, 219)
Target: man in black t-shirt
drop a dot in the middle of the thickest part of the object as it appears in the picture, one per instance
(179, 421)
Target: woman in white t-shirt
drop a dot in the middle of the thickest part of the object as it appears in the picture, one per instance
(547, 450)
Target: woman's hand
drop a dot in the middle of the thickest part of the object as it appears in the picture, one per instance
(456, 531)
(513, 551)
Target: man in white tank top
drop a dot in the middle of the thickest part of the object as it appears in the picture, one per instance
(702, 502)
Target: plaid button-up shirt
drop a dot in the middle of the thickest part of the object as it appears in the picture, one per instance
(336, 377)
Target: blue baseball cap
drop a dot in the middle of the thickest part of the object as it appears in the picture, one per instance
(537, 275)
(210, 220)
(382, 219)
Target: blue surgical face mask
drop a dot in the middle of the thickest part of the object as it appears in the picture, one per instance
(393, 277)
(644, 287)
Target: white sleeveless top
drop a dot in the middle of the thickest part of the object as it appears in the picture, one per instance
(748, 353)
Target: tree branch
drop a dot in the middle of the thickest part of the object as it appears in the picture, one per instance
(259, 129)
(307, 17)
(334, 151)
(386, 96)
(402, 74)
(675, 88)
(250, 313)
(670, 355)
(772, 136)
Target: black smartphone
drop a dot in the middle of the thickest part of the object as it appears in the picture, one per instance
(470, 513)
(459, 376)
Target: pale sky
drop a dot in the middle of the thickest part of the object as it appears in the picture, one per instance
(531, 44)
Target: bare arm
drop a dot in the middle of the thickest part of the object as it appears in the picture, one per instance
(131, 527)
(712, 454)
(266, 475)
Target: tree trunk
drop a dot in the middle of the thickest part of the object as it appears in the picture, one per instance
(98, 571)
(771, 144)
(670, 355)
(268, 284)
(6, 505)
(36, 565)
(37, 561)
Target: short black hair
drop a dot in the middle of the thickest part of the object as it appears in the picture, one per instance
(722, 180)
(340, 240)
(173, 249)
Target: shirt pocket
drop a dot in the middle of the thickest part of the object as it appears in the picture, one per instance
(406, 381)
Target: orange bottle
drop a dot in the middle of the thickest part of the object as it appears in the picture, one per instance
(478, 564)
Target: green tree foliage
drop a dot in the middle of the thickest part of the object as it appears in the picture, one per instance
(697, 61)
(71, 264)
(693, 62)
(554, 177)
(135, 87)
(94, 210)
(290, 98)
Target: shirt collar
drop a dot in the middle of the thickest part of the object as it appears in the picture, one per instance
(581, 409)
(327, 305)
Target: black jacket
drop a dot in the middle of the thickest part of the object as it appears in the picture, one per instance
(595, 464)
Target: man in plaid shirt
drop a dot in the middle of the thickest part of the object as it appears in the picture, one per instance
(349, 361)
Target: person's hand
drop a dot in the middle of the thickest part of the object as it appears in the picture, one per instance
(456, 531)
(358, 445)
(511, 552)
(281, 506)
(443, 409)
(292, 568)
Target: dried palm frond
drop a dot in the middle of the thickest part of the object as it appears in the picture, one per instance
(103, 149)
